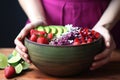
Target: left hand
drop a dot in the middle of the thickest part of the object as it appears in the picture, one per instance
(20, 47)
(103, 57)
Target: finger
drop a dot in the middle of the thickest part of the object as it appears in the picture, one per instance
(102, 55)
(21, 36)
(113, 45)
(20, 44)
(107, 38)
(23, 55)
(100, 63)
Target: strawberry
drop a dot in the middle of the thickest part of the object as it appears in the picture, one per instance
(50, 36)
(32, 32)
(82, 39)
(93, 32)
(76, 41)
(33, 37)
(84, 31)
(9, 71)
(89, 40)
(83, 43)
(97, 35)
(41, 33)
(36, 32)
(42, 40)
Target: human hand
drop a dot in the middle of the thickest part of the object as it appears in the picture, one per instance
(19, 39)
(103, 57)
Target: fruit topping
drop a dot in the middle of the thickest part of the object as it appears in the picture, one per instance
(60, 35)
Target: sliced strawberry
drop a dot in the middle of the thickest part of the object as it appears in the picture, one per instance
(82, 39)
(33, 37)
(76, 43)
(42, 40)
(93, 32)
(84, 32)
(76, 40)
(50, 36)
(89, 40)
(32, 31)
(97, 35)
(36, 32)
(83, 43)
(41, 33)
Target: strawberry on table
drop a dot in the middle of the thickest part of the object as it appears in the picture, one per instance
(9, 71)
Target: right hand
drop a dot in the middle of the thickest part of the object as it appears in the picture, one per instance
(103, 57)
(23, 33)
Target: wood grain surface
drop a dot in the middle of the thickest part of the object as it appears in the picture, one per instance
(110, 71)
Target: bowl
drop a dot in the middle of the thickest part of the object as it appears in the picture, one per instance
(63, 60)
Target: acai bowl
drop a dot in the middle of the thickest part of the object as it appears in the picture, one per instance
(65, 52)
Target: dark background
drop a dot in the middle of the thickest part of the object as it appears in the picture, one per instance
(12, 20)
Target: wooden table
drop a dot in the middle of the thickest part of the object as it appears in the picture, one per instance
(110, 71)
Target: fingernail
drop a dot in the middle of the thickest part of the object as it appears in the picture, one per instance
(25, 56)
(107, 44)
(23, 49)
(96, 58)
(91, 69)
(94, 64)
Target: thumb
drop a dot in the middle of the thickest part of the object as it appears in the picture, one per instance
(107, 38)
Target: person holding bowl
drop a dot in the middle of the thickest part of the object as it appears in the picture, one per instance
(101, 16)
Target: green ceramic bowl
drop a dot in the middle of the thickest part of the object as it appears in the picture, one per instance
(63, 60)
